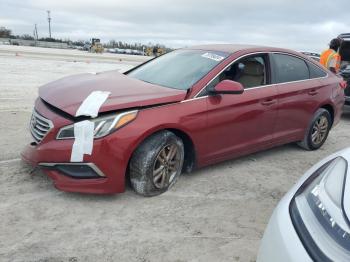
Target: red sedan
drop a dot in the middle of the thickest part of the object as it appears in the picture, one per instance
(186, 109)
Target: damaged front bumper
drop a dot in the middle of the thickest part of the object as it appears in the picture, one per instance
(102, 172)
(74, 177)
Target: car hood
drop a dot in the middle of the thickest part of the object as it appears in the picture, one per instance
(68, 93)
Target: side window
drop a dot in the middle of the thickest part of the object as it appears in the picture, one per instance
(315, 71)
(289, 68)
(249, 71)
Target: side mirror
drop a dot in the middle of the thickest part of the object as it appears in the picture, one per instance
(228, 87)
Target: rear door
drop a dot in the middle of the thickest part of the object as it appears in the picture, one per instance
(298, 96)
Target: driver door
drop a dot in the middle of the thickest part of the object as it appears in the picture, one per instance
(244, 123)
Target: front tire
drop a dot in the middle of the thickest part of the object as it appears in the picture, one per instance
(156, 164)
(317, 131)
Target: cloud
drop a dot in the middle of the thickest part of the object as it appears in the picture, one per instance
(298, 24)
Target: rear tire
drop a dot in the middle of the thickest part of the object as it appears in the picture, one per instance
(317, 132)
(156, 164)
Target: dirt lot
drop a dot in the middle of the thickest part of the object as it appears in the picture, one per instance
(214, 214)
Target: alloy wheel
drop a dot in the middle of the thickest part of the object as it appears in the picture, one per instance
(166, 166)
(319, 130)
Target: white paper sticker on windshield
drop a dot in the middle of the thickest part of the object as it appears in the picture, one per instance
(213, 56)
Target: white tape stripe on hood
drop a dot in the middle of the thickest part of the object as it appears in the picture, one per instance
(91, 105)
(84, 130)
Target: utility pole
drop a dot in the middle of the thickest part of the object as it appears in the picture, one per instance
(36, 37)
(49, 19)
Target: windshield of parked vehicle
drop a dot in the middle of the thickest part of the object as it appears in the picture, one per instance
(179, 69)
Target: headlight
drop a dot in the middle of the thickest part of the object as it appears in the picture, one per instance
(318, 214)
(103, 125)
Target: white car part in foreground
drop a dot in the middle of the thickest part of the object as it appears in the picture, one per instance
(311, 222)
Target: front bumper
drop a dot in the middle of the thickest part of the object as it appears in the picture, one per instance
(104, 169)
(76, 170)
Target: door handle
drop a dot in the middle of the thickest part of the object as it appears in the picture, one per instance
(313, 92)
(268, 102)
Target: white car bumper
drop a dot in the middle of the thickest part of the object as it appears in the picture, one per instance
(280, 241)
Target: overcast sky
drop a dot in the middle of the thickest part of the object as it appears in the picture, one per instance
(302, 25)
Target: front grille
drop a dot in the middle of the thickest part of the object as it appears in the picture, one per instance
(39, 126)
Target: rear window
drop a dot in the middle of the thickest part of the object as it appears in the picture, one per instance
(315, 71)
(289, 68)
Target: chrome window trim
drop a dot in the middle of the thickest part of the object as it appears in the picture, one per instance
(195, 98)
(256, 53)
(312, 62)
(91, 165)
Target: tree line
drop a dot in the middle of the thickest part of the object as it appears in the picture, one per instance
(7, 33)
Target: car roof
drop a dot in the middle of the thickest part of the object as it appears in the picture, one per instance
(233, 48)
(345, 36)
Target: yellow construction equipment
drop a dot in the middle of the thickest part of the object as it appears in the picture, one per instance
(160, 51)
(154, 51)
(149, 51)
(96, 46)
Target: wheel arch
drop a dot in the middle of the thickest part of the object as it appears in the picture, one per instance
(330, 109)
(190, 152)
(189, 146)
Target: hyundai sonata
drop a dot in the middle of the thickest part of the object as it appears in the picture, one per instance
(189, 108)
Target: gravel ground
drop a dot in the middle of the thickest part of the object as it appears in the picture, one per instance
(216, 213)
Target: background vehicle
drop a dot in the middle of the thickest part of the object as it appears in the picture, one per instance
(85, 47)
(112, 50)
(345, 73)
(125, 51)
(188, 108)
(344, 52)
(314, 56)
(96, 46)
(128, 51)
(120, 51)
(311, 222)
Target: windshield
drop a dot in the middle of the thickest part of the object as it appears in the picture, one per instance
(179, 69)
